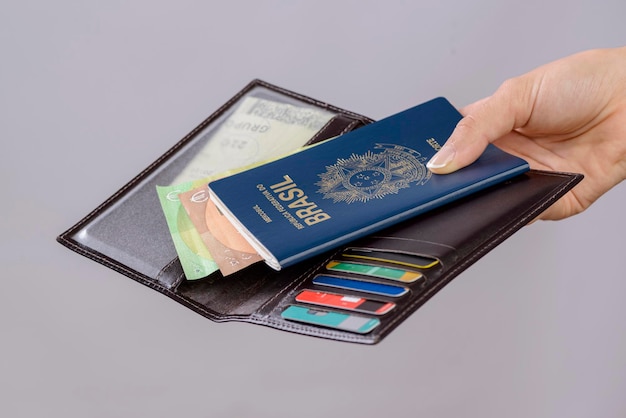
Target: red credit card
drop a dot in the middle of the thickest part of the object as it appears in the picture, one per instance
(351, 303)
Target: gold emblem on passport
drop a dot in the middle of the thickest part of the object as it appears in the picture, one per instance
(382, 171)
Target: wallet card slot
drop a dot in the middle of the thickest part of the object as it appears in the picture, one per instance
(360, 286)
(375, 269)
(345, 301)
(329, 318)
(389, 248)
(394, 258)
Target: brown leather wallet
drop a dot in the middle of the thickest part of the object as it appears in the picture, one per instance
(128, 233)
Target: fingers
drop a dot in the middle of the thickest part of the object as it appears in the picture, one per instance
(484, 122)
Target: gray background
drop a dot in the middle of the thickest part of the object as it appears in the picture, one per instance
(92, 93)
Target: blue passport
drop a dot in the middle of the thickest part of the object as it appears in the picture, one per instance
(351, 186)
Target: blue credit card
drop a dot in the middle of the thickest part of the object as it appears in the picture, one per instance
(360, 285)
(331, 319)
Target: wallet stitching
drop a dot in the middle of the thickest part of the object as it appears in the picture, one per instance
(316, 331)
(322, 129)
(349, 127)
(165, 268)
(162, 271)
(492, 243)
(311, 100)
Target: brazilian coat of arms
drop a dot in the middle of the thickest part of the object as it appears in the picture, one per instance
(384, 170)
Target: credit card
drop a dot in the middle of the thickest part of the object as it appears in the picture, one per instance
(401, 259)
(390, 273)
(360, 286)
(331, 319)
(348, 302)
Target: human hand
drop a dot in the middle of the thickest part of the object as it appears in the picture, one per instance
(568, 115)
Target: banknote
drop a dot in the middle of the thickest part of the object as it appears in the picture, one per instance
(228, 248)
(195, 258)
(259, 130)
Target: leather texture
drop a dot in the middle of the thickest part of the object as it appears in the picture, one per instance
(457, 235)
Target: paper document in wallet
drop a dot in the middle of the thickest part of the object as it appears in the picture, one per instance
(363, 181)
(258, 130)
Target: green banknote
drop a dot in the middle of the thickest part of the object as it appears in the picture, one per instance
(195, 258)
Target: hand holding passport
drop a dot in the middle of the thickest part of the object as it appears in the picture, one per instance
(323, 197)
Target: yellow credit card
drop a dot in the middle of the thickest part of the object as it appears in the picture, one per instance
(402, 259)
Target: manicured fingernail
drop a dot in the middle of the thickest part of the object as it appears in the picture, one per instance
(443, 157)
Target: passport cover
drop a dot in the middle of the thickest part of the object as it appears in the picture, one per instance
(128, 234)
(351, 186)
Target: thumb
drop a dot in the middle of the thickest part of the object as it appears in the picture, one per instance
(484, 122)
